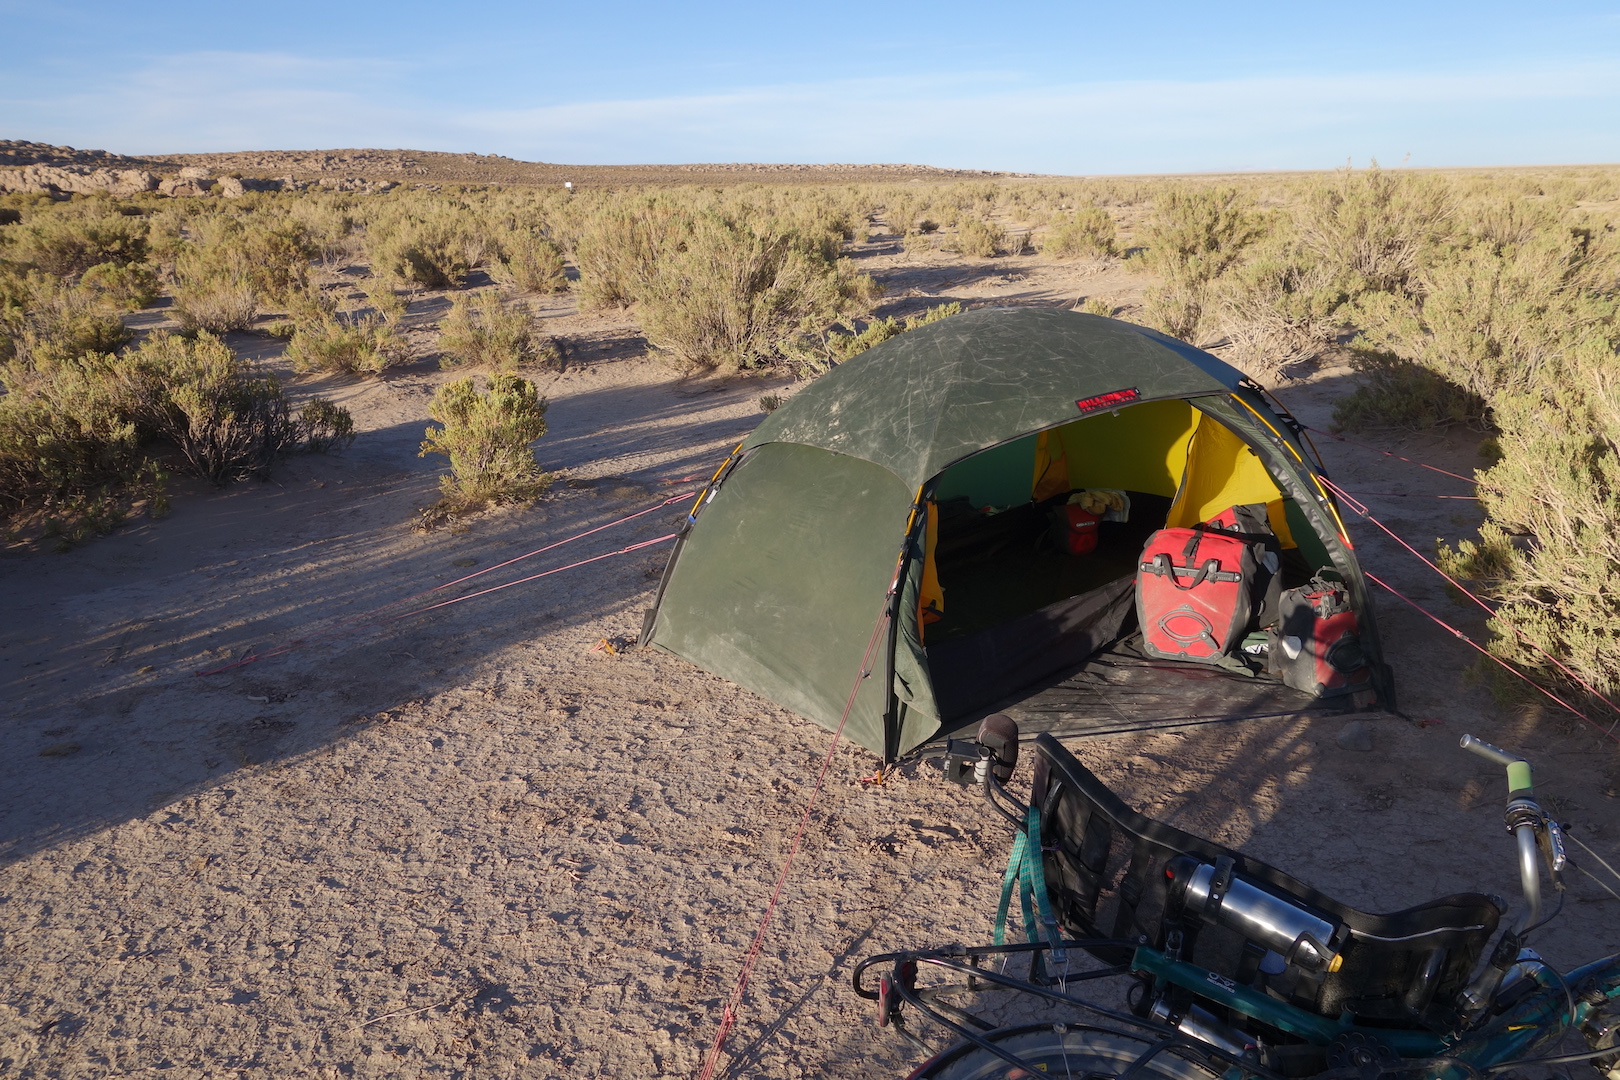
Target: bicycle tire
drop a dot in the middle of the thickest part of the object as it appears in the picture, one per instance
(1057, 1051)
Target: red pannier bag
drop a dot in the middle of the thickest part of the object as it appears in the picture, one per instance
(1316, 646)
(1194, 594)
(1078, 528)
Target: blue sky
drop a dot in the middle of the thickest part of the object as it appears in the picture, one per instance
(1059, 88)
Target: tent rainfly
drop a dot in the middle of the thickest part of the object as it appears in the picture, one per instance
(928, 463)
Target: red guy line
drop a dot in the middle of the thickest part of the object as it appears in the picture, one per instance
(1477, 647)
(728, 1017)
(1460, 587)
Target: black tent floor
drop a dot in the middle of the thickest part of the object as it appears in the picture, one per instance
(1119, 692)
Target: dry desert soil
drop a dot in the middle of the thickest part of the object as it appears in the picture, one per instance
(466, 843)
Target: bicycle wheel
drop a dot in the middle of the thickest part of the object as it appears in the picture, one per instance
(1055, 1051)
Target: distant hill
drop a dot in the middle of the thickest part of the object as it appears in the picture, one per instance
(424, 166)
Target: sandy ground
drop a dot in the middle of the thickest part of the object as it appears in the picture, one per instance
(467, 844)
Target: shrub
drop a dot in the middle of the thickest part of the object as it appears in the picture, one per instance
(66, 430)
(979, 239)
(46, 321)
(921, 242)
(1176, 307)
(481, 330)
(347, 344)
(325, 426)
(432, 253)
(733, 295)
(530, 262)
(222, 276)
(66, 245)
(129, 287)
(1278, 310)
(1096, 305)
(73, 432)
(934, 314)
(1374, 229)
(1396, 393)
(229, 419)
(900, 213)
(813, 354)
(215, 305)
(486, 437)
(621, 249)
(1549, 556)
(1194, 236)
(389, 305)
(1493, 322)
(1089, 234)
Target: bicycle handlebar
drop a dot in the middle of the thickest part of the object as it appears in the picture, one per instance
(1518, 769)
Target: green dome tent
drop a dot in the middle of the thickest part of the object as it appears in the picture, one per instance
(924, 461)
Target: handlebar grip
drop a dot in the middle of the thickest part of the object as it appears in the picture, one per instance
(1518, 769)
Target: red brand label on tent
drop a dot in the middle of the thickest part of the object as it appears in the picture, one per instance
(1108, 401)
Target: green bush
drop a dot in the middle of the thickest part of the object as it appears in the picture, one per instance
(482, 330)
(128, 287)
(76, 433)
(731, 294)
(389, 305)
(1549, 555)
(621, 249)
(1495, 321)
(1396, 393)
(1193, 237)
(215, 305)
(1374, 229)
(224, 274)
(347, 344)
(900, 213)
(1277, 310)
(813, 354)
(67, 431)
(1088, 234)
(432, 253)
(325, 426)
(229, 419)
(1096, 305)
(979, 239)
(65, 244)
(487, 438)
(46, 321)
(530, 261)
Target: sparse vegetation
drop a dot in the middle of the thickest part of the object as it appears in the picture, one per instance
(1484, 302)
(732, 294)
(349, 344)
(487, 437)
(1086, 234)
(978, 238)
(484, 331)
(1195, 235)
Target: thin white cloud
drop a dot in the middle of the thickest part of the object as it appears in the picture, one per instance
(987, 120)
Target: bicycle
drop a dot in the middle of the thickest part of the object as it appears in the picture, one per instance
(1236, 969)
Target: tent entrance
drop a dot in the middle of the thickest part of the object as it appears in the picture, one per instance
(1002, 604)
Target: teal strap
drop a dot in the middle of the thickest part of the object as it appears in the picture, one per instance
(1037, 884)
(1026, 870)
(1015, 866)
